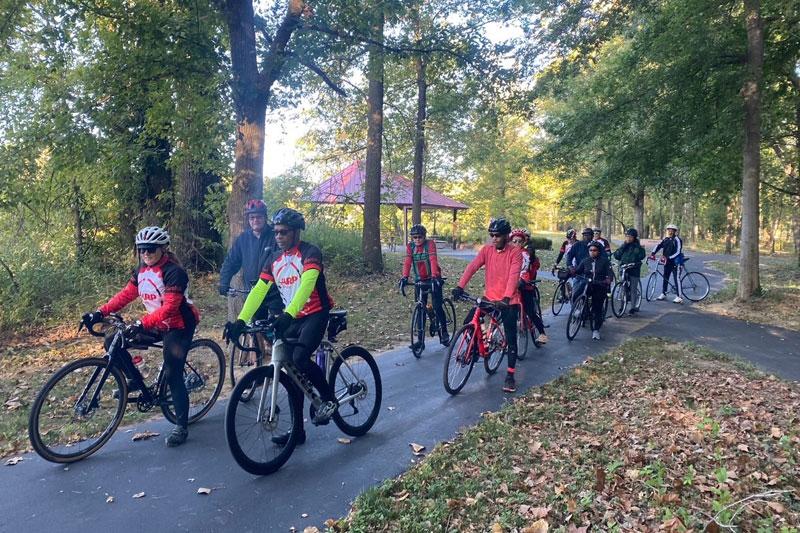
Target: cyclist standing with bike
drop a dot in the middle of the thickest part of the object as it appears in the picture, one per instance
(530, 268)
(163, 286)
(421, 255)
(576, 255)
(503, 264)
(296, 269)
(672, 247)
(597, 268)
(572, 237)
(632, 252)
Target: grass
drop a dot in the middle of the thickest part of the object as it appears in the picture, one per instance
(779, 302)
(653, 435)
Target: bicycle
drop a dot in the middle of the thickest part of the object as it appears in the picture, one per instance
(94, 392)
(422, 290)
(582, 309)
(262, 407)
(621, 293)
(525, 327)
(240, 358)
(466, 347)
(563, 293)
(694, 285)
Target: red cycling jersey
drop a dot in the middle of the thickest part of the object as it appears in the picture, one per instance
(503, 268)
(286, 268)
(530, 269)
(424, 260)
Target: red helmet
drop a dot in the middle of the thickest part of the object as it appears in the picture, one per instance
(519, 233)
(255, 207)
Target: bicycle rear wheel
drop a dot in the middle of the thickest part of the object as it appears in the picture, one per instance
(418, 330)
(652, 281)
(639, 296)
(356, 372)
(449, 314)
(523, 332)
(461, 355)
(66, 424)
(575, 319)
(204, 375)
(495, 345)
(695, 286)
(241, 361)
(619, 299)
(559, 298)
(248, 430)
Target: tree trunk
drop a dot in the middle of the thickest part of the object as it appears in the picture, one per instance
(729, 231)
(195, 241)
(371, 237)
(248, 174)
(796, 227)
(638, 210)
(749, 284)
(598, 213)
(76, 216)
(608, 227)
(419, 145)
(156, 206)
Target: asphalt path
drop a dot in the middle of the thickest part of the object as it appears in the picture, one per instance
(324, 476)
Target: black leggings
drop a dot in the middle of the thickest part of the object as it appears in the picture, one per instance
(671, 268)
(530, 309)
(176, 347)
(309, 331)
(436, 292)
(599, 293)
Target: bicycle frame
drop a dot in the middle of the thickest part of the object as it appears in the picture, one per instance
(484, 336)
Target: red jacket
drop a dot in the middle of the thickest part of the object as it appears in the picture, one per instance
(424, 260)
(503, 269)
(530, 269)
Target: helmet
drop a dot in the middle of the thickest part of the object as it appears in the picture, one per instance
(587, 231)
(289, 217)
(596, 244)
(527, 232)
(255, 207)
(500, 225)
(571, 233)
(418, 229)
(672, 226)
(597, 230)
(632, 232)
(152, 235)
(518, 233)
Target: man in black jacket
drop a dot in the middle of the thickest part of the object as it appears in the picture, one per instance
(576, 255)
(597, 268)
(672, 247)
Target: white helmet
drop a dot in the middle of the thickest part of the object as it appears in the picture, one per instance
(152, 235)
(672, 226)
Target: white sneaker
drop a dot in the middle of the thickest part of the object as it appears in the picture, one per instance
(596, 335)
(662, 296)
(677, 300)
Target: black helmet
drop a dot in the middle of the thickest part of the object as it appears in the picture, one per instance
(253, 207)
(632, 232)
(500, 225)
(418, 229)
(570, 233)
(289, 217)
(597, 230)
(587, 231)
(597, 244)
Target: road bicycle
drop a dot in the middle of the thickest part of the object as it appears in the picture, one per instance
(621, 294)
(481, 337)
(694, 285)
(262, 419)
(563, 292)
(423, 309)
(581, 311)
(82, 404)
(525, 327)
(241, 361)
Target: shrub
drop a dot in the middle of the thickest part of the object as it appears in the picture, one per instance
(341, 247)
(541, 243)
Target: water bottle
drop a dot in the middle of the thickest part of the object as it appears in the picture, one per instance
(141, 366)
(322, 360)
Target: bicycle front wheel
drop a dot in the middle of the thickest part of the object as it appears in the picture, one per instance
(418, 330)
(449, 314)
(461, 355)
(250, 433)
(496, 346)
(241, 361)
(639, 296)
(695, 286)
(559, 298)
(355, 372)
(523, 332)
(76, 413)
(575, 319)
(619, 299)
(203, 374)
(652, 281)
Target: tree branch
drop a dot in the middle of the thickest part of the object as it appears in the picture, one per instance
(319, 72)
(796, 192)
(277, 48)
(10, 274)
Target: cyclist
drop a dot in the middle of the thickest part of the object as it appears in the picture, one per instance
(577, 253)
(296, 269)
(248, 254)
(598, 237)
(421, 254)
(632, 251)
(672, 247)
(597, 268)
(530, 268)
(163, 286)
(572, 236)
(503, 264)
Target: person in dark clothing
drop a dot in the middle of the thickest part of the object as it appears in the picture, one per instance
(576, 255)
(672, 247)
(597, 268)
(632, 252)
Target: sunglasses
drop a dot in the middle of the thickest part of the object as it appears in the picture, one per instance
(282, 232)
(148, 249)
(494, 235)
(418, 236)
(517, 241)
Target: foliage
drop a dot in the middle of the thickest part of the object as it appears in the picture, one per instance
(542, 243)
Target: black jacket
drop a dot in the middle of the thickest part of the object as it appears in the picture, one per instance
(672, 247)
(596, 269)
(578, 252)
(248, 253)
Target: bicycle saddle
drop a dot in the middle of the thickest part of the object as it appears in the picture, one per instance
(339, 314)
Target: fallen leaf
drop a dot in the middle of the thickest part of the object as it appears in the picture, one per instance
(139, 495)
(673, 525)
(402, 495)
(776, 433)
(539, 512)
(416, 448)
(743, 448)
(204, 490)
(311, 529)
(453, 503)
(712, 527)
(304, 515)
(540, 526)
(110, 499)
(390, 408)
(11, 461)
(13, 404)
(470, 501)
(497, 528)
(632, 474)
(777, 507)
(344, 440)
(144, 435)
(534, 446)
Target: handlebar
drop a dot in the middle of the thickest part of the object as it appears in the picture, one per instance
(234, 292)
(265, 327)
(480, 302)
(626, 266)
(113, 320)
(415, 283)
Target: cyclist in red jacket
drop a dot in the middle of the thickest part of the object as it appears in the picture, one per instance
(530, 268)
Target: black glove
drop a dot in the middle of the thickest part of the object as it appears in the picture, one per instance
(134, 329)
(403, 282)
(502, 305)
(457, 292)
(521, 284)
(223, 290)
(282, 323)
(92, 318)
(232, 330)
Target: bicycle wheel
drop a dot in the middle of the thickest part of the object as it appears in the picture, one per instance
(559, 298)
(619, 299)
(639, 296)
(356, 372)
(248, 430)
(204, 375)
(523, 332)
(575, 319)
(496, 347)
(242, 361)
(449, 313)
(461, 355)
(418, 330)
(695, 286)
(76, 413)
(652, 281)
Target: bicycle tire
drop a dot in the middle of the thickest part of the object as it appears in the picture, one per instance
(497, 341)
(695, 286)
(523, 332)
(418, 330)
(619, 300)
(459, 359)
(559, 299)
(240, 359)
(204, 375)
(652, 281)
(575, 319)
(370, 397)
(91, 369)
(449, 314)
(241, 422)
(639, 296)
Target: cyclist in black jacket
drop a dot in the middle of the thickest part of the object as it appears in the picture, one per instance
(672, 247)
(597, 268)
(576, 255)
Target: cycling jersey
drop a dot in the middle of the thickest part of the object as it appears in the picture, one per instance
(501, 274)
(565, 247)
(672, 246)
(606, 244)
(164, 289)
(424, 260)
(529, 269)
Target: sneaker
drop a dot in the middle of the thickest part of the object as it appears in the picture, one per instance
(509, 385)
(281, 440)
(633, 311)
(596, 335)
(416, 346)
(662, 296)
(324, 413)
(177, 437)
(677, 300)
(542, 339)
(445, 339)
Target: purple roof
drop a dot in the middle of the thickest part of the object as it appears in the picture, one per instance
(347, 186)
